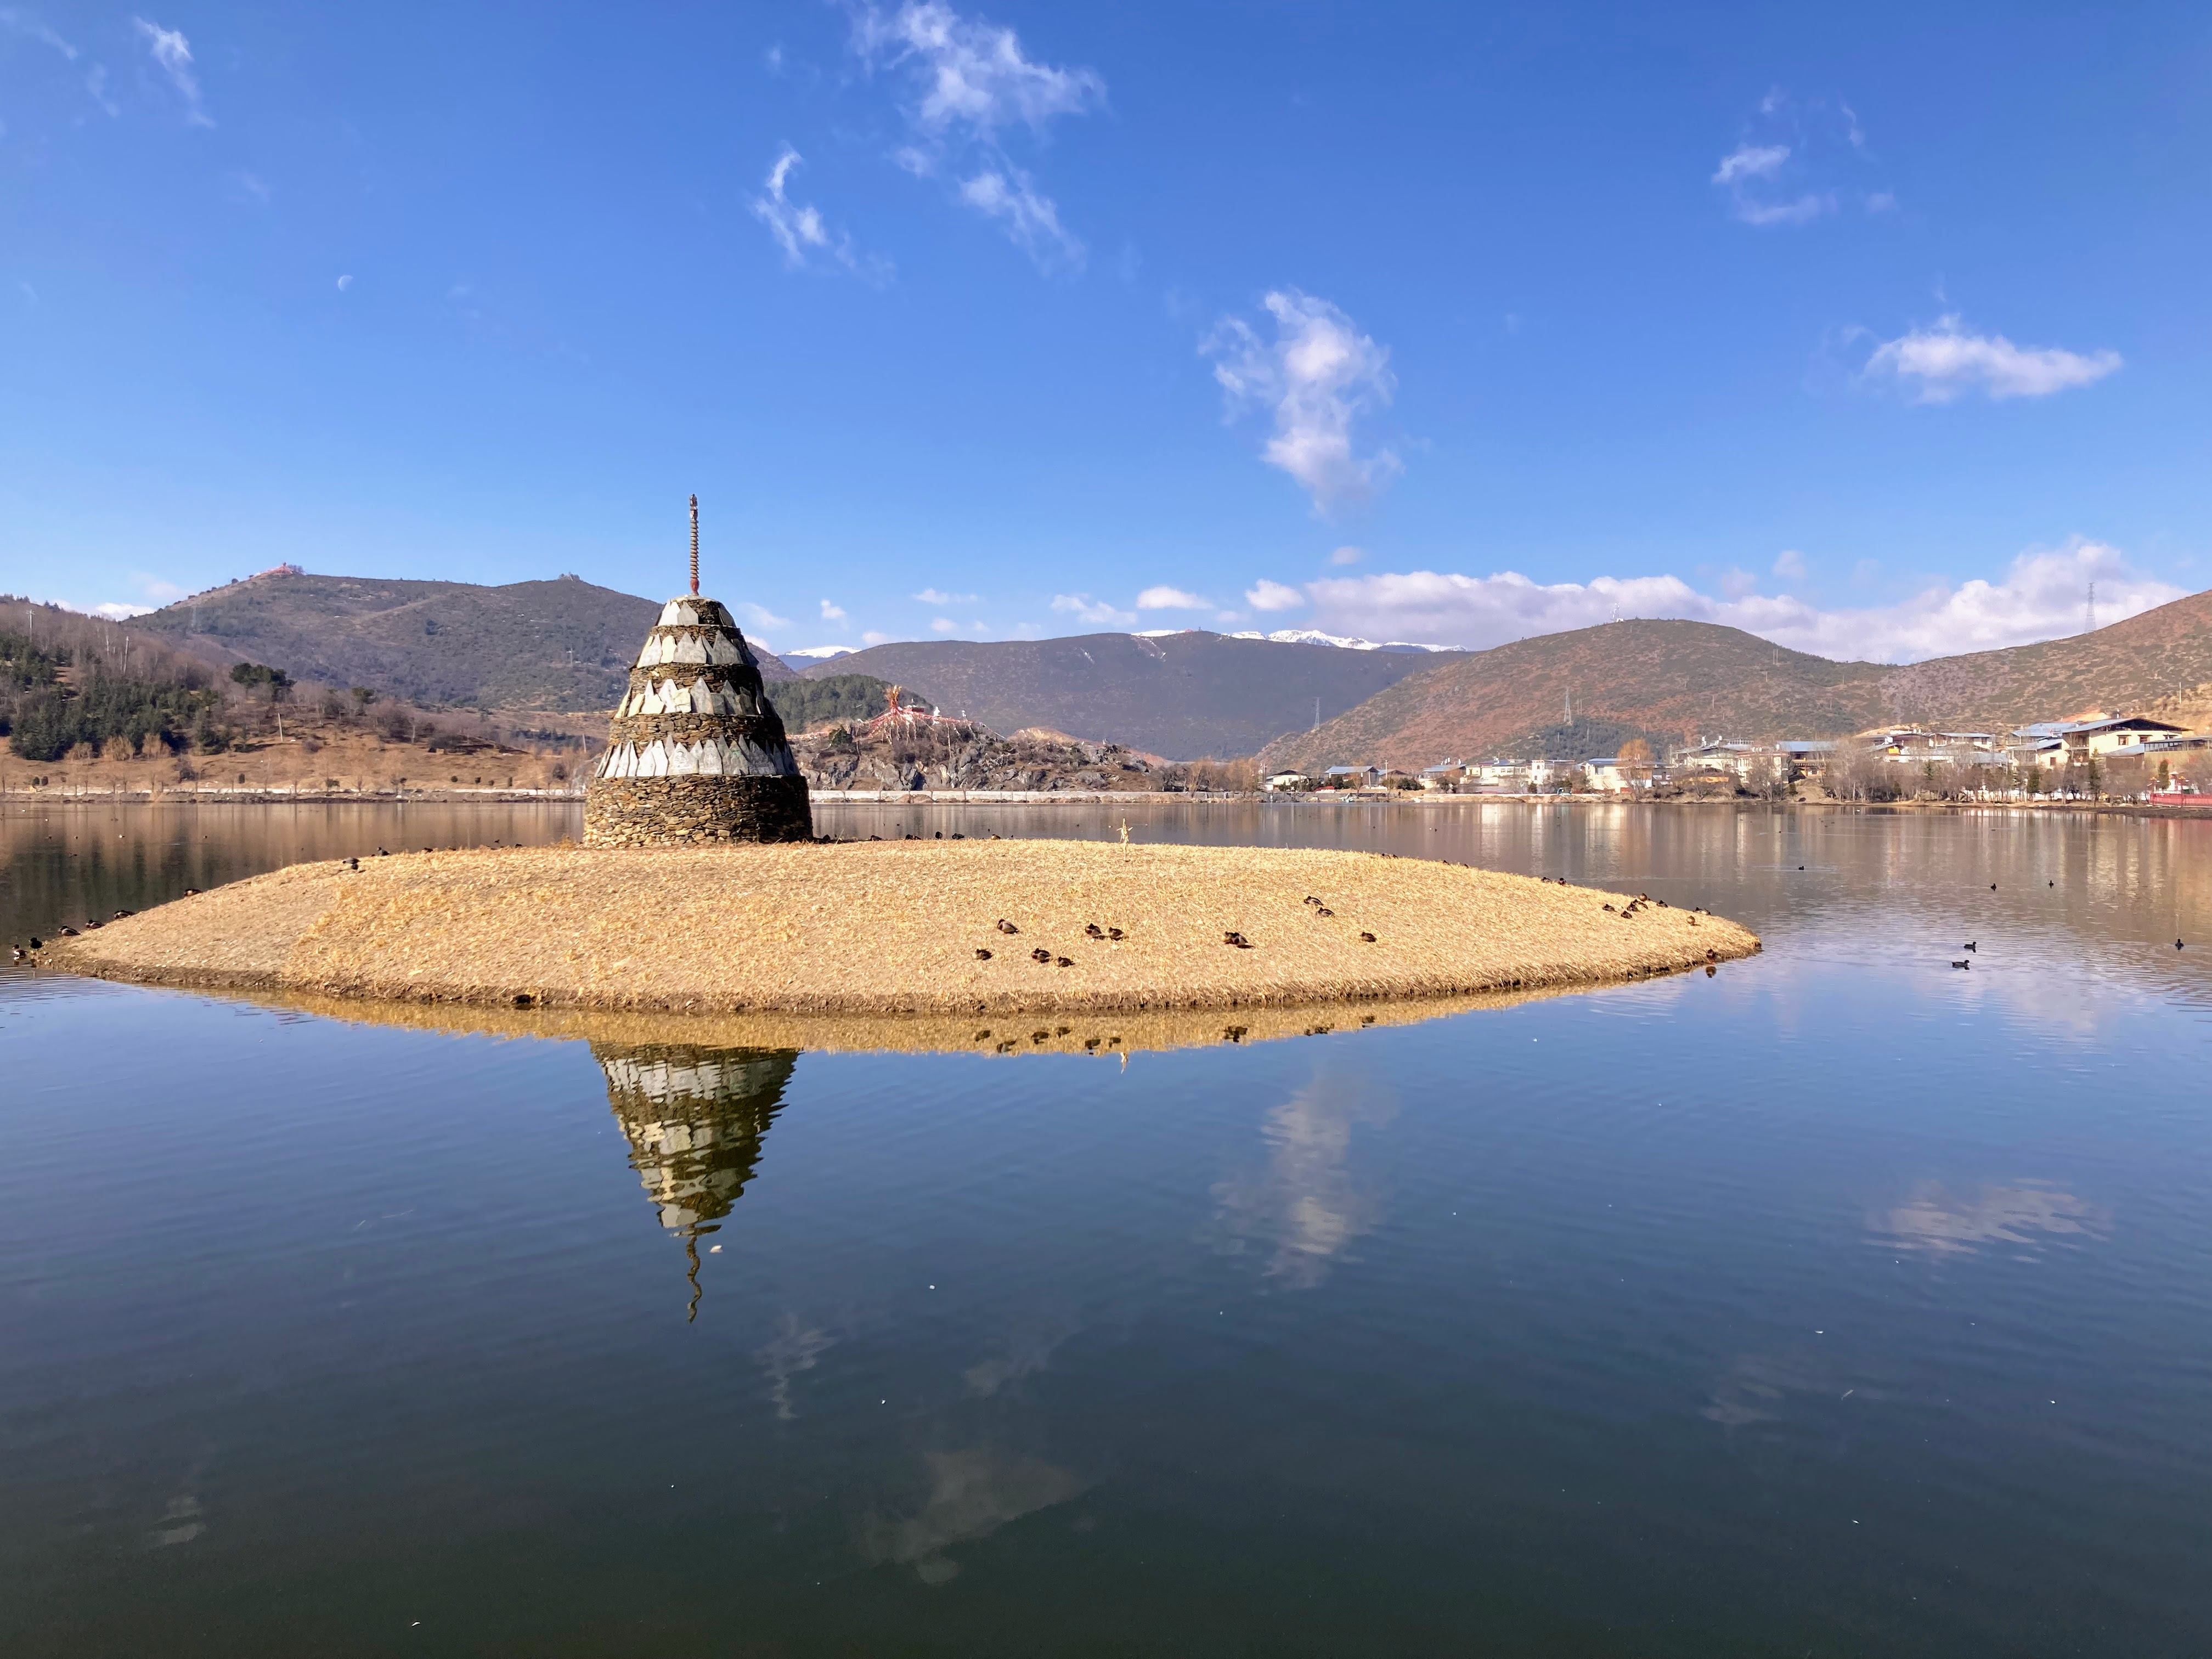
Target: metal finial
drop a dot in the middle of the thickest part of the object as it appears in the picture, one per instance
(694, 544)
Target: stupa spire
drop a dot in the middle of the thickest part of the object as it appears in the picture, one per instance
(694, 544)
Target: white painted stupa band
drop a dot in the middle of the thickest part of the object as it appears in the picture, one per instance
(711, 758)
(674, 697)
(717, 650)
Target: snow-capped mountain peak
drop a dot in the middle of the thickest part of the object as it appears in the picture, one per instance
(1341, 642)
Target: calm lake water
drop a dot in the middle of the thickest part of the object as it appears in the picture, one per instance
(1844, 1302)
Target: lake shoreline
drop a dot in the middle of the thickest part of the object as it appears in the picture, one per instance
(1414, 799)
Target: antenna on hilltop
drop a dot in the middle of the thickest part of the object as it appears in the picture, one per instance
(1316, 724)
(694, 544)
(2092, 608)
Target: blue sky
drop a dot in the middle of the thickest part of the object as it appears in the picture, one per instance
(1881, 330)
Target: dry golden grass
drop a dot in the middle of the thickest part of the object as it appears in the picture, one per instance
(893, 928)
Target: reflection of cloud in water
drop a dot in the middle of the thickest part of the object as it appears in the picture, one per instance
(1757, 1387)
(1304, 1201)
(1933, 1220)
(791, 1350)
(972, 1494)
(1023, 1353)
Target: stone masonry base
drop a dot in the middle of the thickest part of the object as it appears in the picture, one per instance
(684, 811)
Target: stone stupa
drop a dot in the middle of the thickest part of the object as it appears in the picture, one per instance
(695, 752)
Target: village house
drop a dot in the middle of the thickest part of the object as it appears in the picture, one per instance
(2100, 738)
(1351, 777)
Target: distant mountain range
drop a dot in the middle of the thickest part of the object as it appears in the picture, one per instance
(1185, 695)
(1578, 694)
(563, 645)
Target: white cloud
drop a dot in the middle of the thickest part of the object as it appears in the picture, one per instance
(938, 597)
(1032, 219)
(1097, 612)
(174, 54)
(1264, 595)
(872, 637)
(1348, 555)
(832, 612)
(1171, 598)
(798, 228)
(2041, 596)
(944, 625)
(29, 24)
(153, 592)
(1319, 375)
(1789, 565)
(1945, 361)
(95, 84)
(759, 616)
(969, 81)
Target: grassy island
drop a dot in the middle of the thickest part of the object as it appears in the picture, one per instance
(898, 928)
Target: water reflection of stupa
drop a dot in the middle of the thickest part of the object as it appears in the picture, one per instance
(694, 1118)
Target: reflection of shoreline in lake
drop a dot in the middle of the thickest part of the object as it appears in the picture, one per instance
(1103, 1035)
(694, 1118)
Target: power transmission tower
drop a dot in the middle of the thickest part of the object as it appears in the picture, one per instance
(2092, 608)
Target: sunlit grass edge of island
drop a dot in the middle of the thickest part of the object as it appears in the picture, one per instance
(870, 928)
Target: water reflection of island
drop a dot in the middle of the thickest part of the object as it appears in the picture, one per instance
(694, 1118)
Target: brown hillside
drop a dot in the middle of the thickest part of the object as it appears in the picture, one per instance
(2134, 664)
(1665, 679)
(563, 645)
(1674, 681)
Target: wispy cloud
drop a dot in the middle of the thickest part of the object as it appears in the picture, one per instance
(973, 76)
(1030, 219)
(833, 613)
(249, 188)
(1796, 162)
(174, 53)
(1097, 612)
(28, 24)
(938, 597)
(1348, 555)
(1264, 595)
(1318, 376)
(2040, 597)
(970, 82)
(1171, 598)
(1945, 361)
(801, 232)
